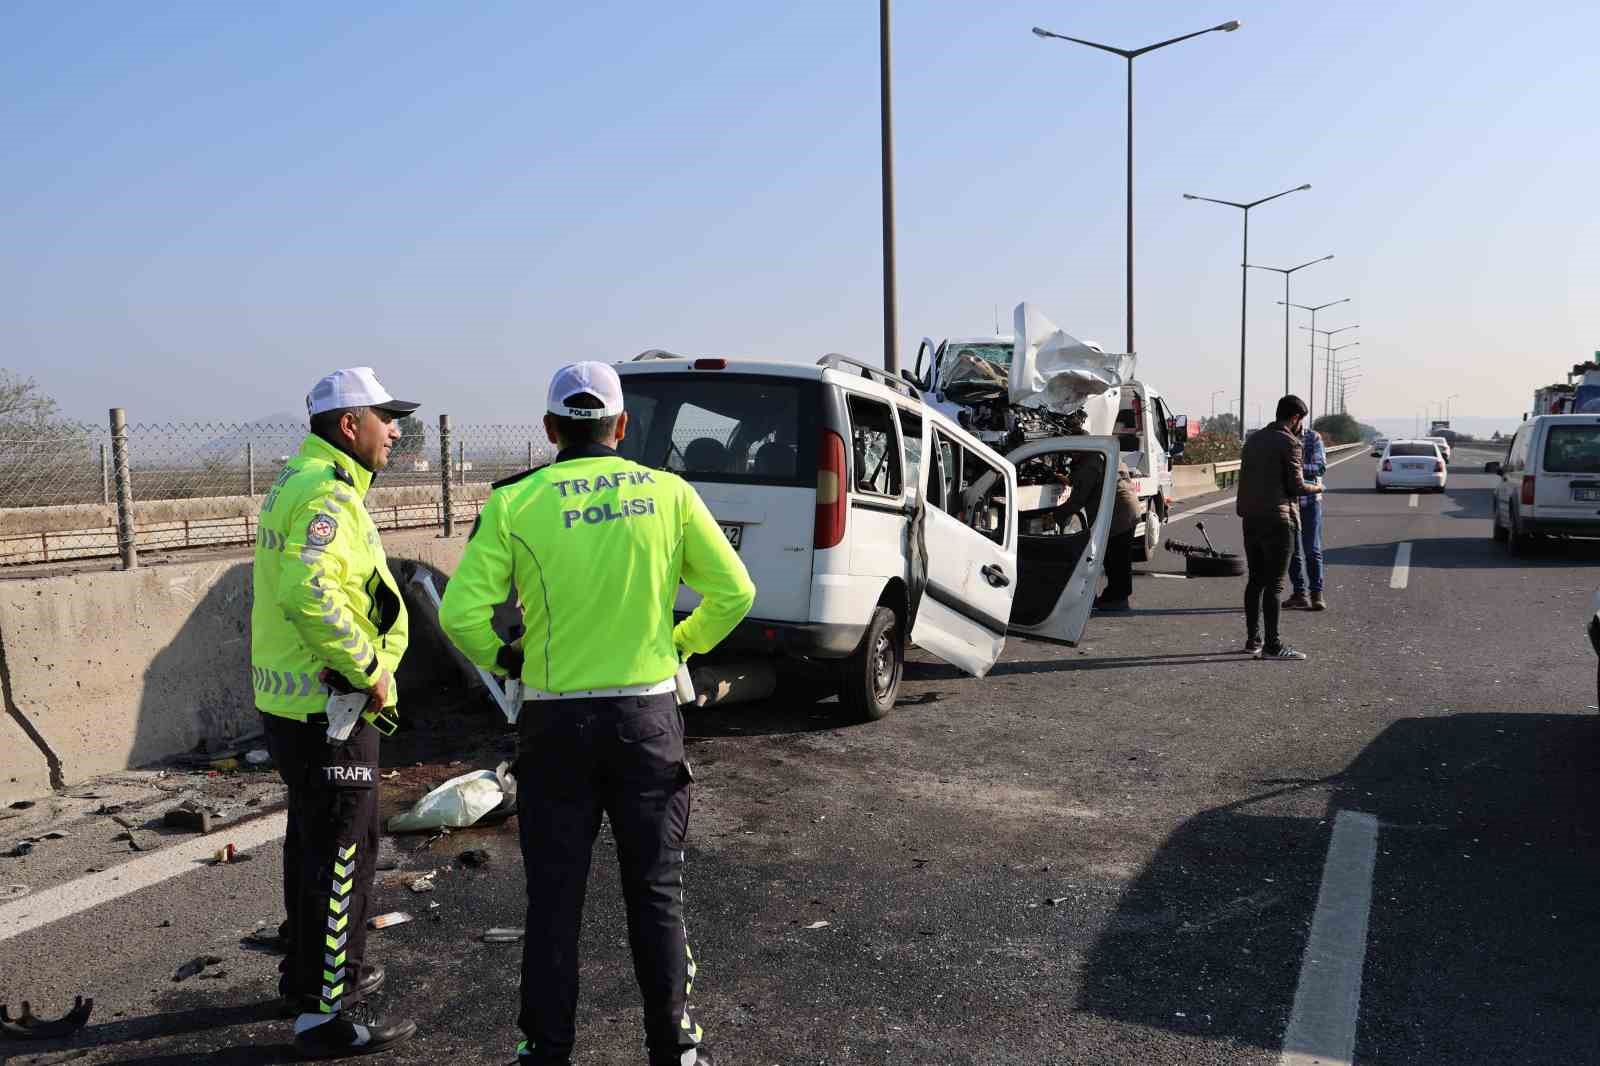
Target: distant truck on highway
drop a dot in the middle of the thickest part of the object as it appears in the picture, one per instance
(1578, 395)
(1039, 382)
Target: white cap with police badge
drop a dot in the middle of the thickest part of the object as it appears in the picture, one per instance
(597, 379)
(355, 386)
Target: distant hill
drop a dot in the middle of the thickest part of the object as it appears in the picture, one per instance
(271, 436)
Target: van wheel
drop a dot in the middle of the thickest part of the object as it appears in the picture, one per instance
(1517, 542)
(871, 676)
(1500, 534)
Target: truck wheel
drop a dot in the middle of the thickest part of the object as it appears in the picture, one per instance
(871, 677)
(1144, 549)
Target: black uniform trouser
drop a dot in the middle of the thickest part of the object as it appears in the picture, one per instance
(330, 851)
(1119, 566)
(576, 759)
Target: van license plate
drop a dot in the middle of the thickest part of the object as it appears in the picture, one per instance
(1586, 494)
(734, 532)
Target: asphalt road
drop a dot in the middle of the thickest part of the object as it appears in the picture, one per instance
(1108, 854)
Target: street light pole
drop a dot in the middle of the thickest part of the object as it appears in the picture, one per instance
(1447, 399)
(1327, 366)
(1286, 306)
(1130, 54)
(1244, 274)
(1214, 394)
(1311, 371)
(891, 326)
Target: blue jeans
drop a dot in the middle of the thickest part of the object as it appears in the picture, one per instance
(1308, 547)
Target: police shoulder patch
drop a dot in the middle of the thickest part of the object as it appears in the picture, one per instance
(321, 530)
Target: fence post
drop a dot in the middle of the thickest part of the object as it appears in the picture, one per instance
(105, 477)
(444, 476)
(530, 455)
(119, 456)
(461, 461)
(250, 461)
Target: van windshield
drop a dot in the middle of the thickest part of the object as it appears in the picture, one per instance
(1572, 450)
(735, 428)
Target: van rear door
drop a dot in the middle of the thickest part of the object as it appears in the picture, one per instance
(1566, 469)
(1066, 488)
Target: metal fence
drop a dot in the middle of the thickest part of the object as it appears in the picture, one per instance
(120, 464)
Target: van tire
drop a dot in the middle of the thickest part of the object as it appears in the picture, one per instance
(1501, 535)
(870, 678)
(1518, 543)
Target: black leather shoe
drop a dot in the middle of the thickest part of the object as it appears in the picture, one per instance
(371, 980)
(340, 1038)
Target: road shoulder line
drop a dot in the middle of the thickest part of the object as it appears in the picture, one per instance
(1401, 574)
(74, 897)
(1327, 1001)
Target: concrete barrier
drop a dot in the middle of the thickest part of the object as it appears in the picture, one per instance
(1195, 480)
(117, 669)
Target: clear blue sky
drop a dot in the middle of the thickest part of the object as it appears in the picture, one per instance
(205, 206)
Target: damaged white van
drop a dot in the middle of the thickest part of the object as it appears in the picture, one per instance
(867, 518)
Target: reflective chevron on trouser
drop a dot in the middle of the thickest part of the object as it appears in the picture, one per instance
(333, 961)
(686, 1023)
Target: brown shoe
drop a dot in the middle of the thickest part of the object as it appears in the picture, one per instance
(1318, 603)
(1297, 602)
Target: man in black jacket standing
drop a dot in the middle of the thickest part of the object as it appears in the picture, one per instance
(1271, 483)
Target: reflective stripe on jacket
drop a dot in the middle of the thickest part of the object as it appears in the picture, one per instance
(594, 546)
(324, 596)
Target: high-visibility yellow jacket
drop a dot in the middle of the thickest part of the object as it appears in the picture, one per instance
(324, 597)
(595, 546)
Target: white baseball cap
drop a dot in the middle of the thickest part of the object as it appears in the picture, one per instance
(597, 379)
(355, 386)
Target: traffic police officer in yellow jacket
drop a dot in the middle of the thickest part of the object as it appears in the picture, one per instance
(595, 546)
(327, 616)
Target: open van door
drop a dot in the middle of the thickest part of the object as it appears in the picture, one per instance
(969, 527)
(1066, 490)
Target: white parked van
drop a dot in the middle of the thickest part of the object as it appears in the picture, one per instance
(866, 517)
(1549, 481)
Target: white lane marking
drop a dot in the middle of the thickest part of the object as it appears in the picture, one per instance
(1327, 1001)
(1402, 565)
(1413, 501)
(1212, 506)
(74, 897)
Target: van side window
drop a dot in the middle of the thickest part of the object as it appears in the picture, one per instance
(876, 452)
(1519, 449)
(911, 439)
(983, 497)
(944, 473)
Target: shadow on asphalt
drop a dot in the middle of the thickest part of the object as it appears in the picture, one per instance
(1483, 945)
(942, 672)
(177, 1023)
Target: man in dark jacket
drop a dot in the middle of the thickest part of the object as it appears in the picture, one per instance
(1271, 482)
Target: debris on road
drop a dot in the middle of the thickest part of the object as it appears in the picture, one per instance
(474, 857)
(224, 854)
(260, 758)
(502, 936)
(1207, 561)
(20, 850)
(28, 1027)
(267, 938)
(14, 891)
(385, 921)
(423, 883)
(458, 803)
(1056, 901)
(195, 966)
(818, 925)
(27, 844)
(188, 815)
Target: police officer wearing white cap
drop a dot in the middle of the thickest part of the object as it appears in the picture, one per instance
(328, 620)
(595, 546)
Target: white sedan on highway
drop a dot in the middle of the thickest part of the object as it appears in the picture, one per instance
(1411, 464)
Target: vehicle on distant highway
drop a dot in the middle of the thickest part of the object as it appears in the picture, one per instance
(1549, 481)
(1378, 445)
(869, 520)
(1444, 446)
(1411, 464)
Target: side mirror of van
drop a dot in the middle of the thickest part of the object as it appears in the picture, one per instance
(1491, 467)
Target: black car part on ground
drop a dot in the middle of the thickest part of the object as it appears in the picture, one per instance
(28, 1027)
(1207, 561)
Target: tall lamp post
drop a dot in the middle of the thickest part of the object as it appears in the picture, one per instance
(1130, 54)
(1311, 384)
(1327, 365)
(1244, 272)
(1286, 271)
(1447, 399)
(1214, 394)
(891, 326)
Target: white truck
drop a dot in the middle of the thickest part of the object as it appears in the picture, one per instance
(1041, 382)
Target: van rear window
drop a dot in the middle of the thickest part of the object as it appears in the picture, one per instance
(735, 428)
(1572, 450)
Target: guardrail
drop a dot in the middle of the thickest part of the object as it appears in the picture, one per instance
(1227, 474)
